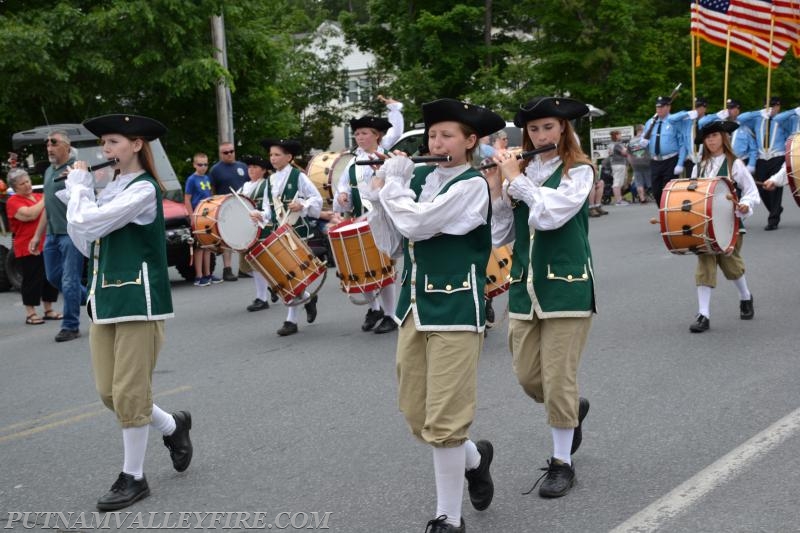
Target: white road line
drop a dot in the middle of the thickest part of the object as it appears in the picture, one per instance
(689, 492)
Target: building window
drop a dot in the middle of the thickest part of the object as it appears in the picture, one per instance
(358, 90)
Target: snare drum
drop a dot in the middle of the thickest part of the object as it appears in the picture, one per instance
(324, 171)
(222, 221)
(698, 216)
(498, 271)
(362, 266)
(793, 165)
(287, 263)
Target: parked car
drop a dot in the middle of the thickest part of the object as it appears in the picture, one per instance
(178, 235)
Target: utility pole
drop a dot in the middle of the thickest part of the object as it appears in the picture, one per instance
(224, 105)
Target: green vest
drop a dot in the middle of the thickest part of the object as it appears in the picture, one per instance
(258, 197)
(355, 194)
(444, 276)
(305, 226)
(129, 280)
(551, 271)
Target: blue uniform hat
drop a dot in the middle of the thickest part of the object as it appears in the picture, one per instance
(663, 100)
(731, 103)
(700, 101)
(775, 100)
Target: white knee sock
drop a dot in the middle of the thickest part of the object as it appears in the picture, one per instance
(291, 315)
(448, 467)
(375, 304)
(388, 298)
(261, 286)
(704, 300)
(473, 456)
(134, 442)
(562, 444)
(162, 421)
(741, 284)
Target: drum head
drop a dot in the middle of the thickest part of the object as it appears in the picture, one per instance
(723, 217)
(237, 229)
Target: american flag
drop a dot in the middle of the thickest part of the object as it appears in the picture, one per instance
(711, 21)
(755, 16)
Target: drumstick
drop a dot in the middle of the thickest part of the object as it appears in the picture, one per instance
(260, 224)
(654, 220)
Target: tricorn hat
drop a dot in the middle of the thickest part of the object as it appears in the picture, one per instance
(549, 106)
(480, 119)
(367, 121)
(258, 161)
(290, 145)
(127, 125)
(722, 126)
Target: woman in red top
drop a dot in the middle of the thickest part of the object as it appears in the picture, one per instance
(24, 209)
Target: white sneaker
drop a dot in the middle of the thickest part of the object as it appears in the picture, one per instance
(622, 202)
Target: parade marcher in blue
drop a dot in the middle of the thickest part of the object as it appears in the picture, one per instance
(743, 139)
(373, 136)
(542, 206)
(718, 160)
(689, 124)
(442, 216)
(666, 147)
(772, 129)
(121, 231)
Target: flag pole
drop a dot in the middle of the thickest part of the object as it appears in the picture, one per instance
(727, 67)
(769, 58)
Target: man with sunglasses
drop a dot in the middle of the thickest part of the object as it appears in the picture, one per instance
(227, 174)
(63, 262)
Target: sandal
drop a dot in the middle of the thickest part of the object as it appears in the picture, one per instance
(33, 319)
(52, 315)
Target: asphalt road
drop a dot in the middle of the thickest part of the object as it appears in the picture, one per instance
(686, 433)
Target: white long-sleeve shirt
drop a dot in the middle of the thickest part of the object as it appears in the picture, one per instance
(458, 211)
(306, 194)
(780, 178)
(364, 173)
(90, 218)
(738, 173)
(549, 208)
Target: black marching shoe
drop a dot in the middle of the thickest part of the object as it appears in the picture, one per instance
(273, 296)
(311, 309)
(67, 335)
(179, 444)
(228, 275)
(700, 325)
(288, 328)
(438, 525)
(372, 318)
(258, 305)
(479, 480)
(558, 479)
(125, 491)
(489, 310)
(770, 227)
(577, 435)
(746, 310)
(387, 325)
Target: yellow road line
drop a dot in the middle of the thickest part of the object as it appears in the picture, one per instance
(41, 424)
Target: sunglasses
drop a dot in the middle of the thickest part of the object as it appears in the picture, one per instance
(52, 142)
(228, 152)
(201, 164)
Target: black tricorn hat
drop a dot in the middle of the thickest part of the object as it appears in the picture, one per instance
(257, 160)
(549, 106)
(722, 126)
(482, 120)
(290, 145)
(367, 121)
(128, 125)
